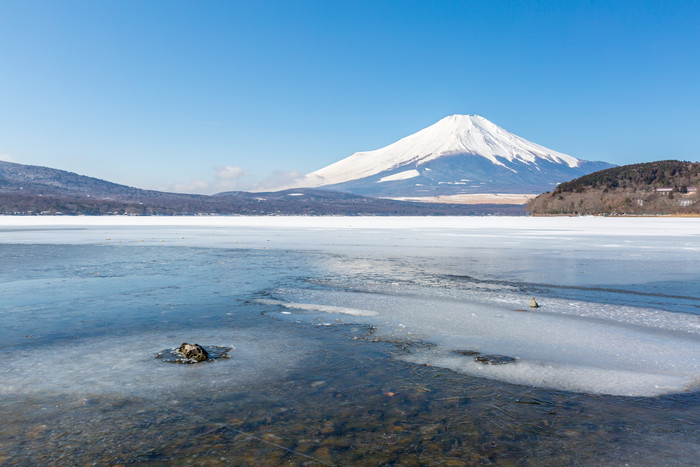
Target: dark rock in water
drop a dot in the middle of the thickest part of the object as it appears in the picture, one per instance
(494, 359)
(533, 303)
(467, 353)
(485, 359)
(193, 352)
(408, 346)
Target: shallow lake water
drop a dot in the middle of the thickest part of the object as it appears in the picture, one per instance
(355, 341)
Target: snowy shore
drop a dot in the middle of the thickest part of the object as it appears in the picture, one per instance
(584, 225)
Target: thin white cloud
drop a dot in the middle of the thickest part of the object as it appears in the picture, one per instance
(226, 178)
(277, 180)
(197, 186)
(229, 178)
(6, 158)
(229, 172)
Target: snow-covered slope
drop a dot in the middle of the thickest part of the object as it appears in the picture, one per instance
(458, 154)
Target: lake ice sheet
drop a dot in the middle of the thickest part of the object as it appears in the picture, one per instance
(88, 301)
(332, 320)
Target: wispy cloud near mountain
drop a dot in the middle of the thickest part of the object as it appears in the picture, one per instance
(227, 178)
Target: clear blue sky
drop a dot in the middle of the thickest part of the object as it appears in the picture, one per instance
(224, 94)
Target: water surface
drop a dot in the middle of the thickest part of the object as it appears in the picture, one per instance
(355, 342)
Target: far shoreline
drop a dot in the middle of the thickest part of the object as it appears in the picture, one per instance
(598, 225)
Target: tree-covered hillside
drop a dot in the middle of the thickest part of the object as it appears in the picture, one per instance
(647, 176)
(662, 187)
(32, 190)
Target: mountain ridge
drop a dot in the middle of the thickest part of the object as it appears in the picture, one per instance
(457, 155)
(32, 190)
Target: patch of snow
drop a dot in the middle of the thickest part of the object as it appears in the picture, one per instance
(400, 176)
(322, 308)
(587, 347)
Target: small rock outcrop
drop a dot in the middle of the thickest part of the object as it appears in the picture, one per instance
(193, 351)
(533, 303)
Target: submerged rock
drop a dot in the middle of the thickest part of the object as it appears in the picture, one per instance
(494, 359)
(486, 359)
(533, 303)
(466, 353)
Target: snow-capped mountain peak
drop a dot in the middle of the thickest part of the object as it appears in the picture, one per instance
(455, 150)
(456, 134)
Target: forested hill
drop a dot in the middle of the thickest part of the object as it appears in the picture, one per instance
(662, 187)
(31, 190)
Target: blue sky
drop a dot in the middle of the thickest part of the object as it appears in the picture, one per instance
(212, 95)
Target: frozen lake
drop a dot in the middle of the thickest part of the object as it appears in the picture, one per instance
(355, 340)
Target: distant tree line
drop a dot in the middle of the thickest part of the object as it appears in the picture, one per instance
(648, 176)
(653, 188)
(242, 204)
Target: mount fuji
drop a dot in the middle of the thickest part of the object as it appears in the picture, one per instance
(460, 154)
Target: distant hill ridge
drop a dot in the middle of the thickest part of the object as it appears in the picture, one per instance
(661, 187)
(31, 190)
(35, 180)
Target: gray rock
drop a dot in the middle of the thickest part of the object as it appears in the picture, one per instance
(193, 351)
